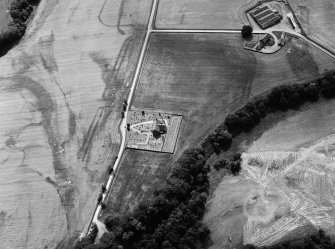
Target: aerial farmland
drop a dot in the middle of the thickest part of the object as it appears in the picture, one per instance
(110, 106)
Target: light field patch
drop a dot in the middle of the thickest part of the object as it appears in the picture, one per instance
(317, 19)
(152, 131)
(200, 14)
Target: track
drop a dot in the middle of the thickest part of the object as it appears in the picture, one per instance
(151, 29)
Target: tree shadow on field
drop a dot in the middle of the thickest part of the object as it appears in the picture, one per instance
(301, 59)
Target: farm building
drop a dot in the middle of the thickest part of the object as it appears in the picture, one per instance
(265, 41)
(265, 17)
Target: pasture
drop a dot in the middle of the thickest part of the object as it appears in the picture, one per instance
(202, 77)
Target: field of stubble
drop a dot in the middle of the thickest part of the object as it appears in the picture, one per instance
(61, 94)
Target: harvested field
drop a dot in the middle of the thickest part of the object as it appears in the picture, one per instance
(61, 98)
(317, 19)
(287, 172)
(203, 77)
(199, 14)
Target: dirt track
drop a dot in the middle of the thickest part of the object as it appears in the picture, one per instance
(286, 185)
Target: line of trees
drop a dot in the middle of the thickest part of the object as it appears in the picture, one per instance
(171, 218)
(20, 11)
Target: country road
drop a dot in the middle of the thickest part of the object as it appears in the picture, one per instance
(124, 120)
(132, 84)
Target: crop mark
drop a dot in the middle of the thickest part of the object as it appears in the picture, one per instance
(298, 51)
(120, 18)
(50, 65)
(73, 11)
(118, 23)
(113, 79)
(47, 107)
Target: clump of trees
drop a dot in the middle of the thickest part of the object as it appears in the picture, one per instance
(88, 241)
(171, 218)
(233, 164)
(246, 31)
(20, 11)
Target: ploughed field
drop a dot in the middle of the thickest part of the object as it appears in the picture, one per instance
(202, 77)
(61, 98)
(285, 189)
(317, 19)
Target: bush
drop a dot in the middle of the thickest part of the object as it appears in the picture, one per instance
(235, 168)
(233, 124)
(311, 92)
(233, 164)
(246, 31)
(207, 146)
(103, 205)
(220, 139)
(222, 164)
(103, 189)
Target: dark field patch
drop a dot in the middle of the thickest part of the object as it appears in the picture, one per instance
(135, 181)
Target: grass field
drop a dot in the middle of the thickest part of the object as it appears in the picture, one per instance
(317, 19)
(278, 135)
(4, 15)
(307, 126)
(200, 14)
(62, 90)
(202, 77)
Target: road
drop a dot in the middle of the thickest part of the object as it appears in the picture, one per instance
(226, 31)
(151, 29)
(124, 120)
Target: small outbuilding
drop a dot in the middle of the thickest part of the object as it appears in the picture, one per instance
(159, 128)
(267, 41)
